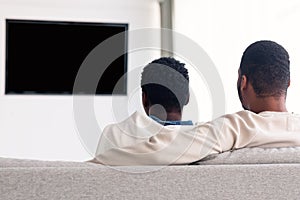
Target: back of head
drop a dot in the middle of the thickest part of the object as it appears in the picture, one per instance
(165, 81)
(266, 65)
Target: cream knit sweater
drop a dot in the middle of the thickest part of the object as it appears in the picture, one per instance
(139, 140)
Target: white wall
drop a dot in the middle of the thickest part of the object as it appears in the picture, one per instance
(225, 28)
(43, 127)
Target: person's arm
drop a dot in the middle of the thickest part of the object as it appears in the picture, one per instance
(177, 146)
(184, 146)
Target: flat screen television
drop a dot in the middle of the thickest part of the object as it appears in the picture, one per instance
(43, 57)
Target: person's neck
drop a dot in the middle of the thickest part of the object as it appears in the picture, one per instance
(166, 116)
(275, 104)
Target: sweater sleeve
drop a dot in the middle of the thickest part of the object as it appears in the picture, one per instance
(175, 145)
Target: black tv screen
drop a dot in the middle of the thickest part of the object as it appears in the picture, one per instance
(43, 57)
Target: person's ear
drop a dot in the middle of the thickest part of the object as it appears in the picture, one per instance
(289, 83)
(187, 99)
(145, 99)
(244, 82)
(145, 102)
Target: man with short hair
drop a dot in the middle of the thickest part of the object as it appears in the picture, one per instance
(264, 77)
(165, 91)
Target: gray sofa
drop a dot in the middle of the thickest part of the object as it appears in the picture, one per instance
(242, 174)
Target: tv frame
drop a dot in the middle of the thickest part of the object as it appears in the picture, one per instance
(125, 25)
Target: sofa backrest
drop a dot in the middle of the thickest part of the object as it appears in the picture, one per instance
(256, 155)
(276, 177)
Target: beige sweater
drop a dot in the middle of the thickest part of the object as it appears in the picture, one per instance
(141, 141)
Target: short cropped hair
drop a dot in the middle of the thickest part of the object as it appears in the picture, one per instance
(166, 82)
(266, 65)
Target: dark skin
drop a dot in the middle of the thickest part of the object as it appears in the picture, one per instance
(250, 101)
(159, 111)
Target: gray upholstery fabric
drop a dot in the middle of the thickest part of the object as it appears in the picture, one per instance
(174, 182)
(254, 156)
(31, 179)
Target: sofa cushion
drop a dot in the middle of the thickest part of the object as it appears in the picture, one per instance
(254, 156)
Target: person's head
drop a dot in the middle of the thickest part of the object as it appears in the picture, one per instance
(165, 82)
(264, 75)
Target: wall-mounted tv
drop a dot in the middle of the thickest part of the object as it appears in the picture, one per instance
(43, 57)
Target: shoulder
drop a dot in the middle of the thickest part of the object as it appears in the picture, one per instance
(229, 123)
(238, 117)
(234, 117)
(133, 119)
